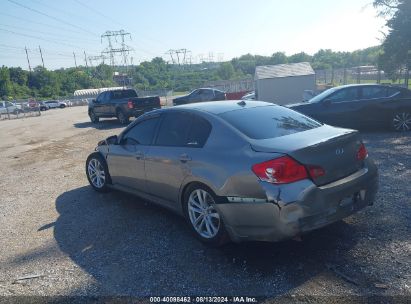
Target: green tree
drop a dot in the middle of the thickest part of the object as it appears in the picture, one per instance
(397, 43)
(5, 83)
(226, 71)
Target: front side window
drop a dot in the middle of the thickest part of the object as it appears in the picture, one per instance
(348, 94)
(142, 133)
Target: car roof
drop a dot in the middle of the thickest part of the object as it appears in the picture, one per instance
(219, 107)
(367, 85)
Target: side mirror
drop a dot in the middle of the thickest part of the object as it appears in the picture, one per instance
(112, 140)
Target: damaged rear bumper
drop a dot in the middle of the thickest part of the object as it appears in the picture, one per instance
(294, 209)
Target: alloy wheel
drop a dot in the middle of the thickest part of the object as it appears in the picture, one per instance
(96, 173)
(402, 121)
(203, 216)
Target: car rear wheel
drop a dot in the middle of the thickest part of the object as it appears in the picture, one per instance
(122, 118)
(97, 172)
(401, 121)
(202, 216)
(93, 117)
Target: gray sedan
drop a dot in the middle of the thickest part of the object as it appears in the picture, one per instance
(239, 170)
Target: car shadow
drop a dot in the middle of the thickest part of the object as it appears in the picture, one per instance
(102, 125)
(134, 248)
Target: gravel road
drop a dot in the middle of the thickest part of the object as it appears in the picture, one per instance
(74, 241)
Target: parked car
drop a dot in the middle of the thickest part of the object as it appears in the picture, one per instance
(53, 104)
(122, 104)
(199, 95)
(359, 106)
(6, 107)
(249, 96)
(43, 106)
(239, 170)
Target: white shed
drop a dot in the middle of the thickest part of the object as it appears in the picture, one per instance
(284, 83)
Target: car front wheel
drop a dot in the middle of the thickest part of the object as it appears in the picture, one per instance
(202, 216)
(93, 117)
(97, 172)
(402, 121)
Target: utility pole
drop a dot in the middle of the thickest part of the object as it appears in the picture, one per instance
(28, 60)
(85, 59)
(41, 55)
(75, 61)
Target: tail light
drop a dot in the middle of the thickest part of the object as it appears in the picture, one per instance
(362, 152)
(130, 104)
(315, 171)
(281, 170)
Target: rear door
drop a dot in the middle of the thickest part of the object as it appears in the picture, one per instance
(126, 160)
(180, 138)
(370, 111)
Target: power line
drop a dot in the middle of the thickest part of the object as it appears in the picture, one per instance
(47, 33)
(97, 12)
(40, 23)
(40, 38)
(54, 18)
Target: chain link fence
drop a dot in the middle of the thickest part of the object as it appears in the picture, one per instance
(360, 74)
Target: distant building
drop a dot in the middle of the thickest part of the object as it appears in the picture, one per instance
(284, 83)
(92, 93)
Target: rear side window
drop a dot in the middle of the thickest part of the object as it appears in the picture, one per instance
(142, 133)
(174, 130)
(373, 92)
(392, 92)
(268, 122)
(199, 131)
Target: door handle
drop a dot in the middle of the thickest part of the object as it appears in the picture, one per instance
(184, 158)
(139, 155)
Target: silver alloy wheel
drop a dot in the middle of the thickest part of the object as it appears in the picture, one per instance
(203, 216)
(402, 121)
(96, 173)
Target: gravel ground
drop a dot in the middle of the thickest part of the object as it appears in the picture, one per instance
(79, 242)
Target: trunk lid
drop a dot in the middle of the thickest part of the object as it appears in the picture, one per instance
(333, 149)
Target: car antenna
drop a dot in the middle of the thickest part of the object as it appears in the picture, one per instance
(241, 103)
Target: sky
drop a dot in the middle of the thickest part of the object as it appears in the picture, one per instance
(212, 29)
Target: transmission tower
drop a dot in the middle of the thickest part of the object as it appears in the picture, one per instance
(98, 58)
(120, 48)
(180, 56)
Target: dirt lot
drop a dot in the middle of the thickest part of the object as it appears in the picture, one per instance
(79, 242)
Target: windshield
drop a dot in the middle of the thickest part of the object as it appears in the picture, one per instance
(322, 95)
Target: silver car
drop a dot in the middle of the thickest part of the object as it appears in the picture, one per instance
(239, 170)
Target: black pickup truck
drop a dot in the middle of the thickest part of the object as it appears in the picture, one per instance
(122, 104)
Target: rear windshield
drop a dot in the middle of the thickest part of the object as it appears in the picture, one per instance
(268, 122)
(123, 94)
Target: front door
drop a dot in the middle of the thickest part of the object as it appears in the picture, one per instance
(126, 160)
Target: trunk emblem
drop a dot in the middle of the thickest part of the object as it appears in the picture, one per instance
(339, 151)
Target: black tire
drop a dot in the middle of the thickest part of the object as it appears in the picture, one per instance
(221, 237)
(401, 121)
(93, 117)
(62, 106)
(123, 118)
(96, 156)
